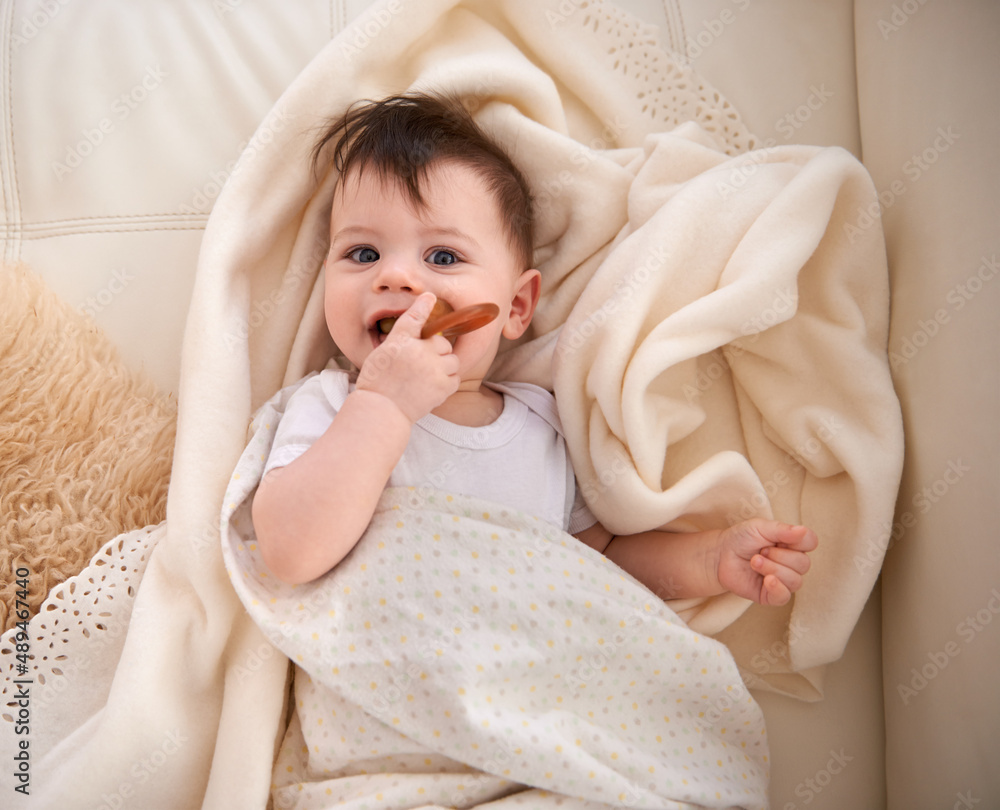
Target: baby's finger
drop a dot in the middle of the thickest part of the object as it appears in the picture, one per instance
(440, 344)
(790, 558)
(775, 592)
(797, 537)
(411, 321)
(790, 578)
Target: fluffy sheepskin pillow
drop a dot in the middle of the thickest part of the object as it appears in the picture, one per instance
(85, 444)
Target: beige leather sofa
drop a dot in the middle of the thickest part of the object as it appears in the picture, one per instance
(121, 122)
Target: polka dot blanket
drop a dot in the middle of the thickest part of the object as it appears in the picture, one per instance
(465, 654)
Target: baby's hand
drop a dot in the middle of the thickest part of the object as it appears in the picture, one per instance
(764, 560)
(417, 375)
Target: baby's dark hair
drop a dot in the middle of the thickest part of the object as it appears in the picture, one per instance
(401, 137)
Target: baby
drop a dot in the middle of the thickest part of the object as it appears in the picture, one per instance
(429, 207)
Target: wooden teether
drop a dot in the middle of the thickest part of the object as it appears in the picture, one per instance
(443, 320)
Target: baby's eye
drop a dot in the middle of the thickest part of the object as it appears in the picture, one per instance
(364, 255)
(442, 256)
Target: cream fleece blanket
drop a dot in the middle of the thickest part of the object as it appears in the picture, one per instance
(712, 322)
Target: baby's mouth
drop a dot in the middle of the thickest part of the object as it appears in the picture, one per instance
(384, 325)
(381, 327)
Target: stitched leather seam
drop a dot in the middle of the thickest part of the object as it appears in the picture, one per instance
(8, 164)
(46, 233)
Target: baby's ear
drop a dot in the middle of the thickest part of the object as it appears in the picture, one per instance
(522, 305)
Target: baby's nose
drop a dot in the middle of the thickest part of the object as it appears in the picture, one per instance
(399, 274)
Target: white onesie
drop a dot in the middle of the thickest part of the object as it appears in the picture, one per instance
(519, 460)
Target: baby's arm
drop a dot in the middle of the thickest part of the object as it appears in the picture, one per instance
(758, 559)
(309, 514)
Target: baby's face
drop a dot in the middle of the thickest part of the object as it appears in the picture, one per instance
(384, 253)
